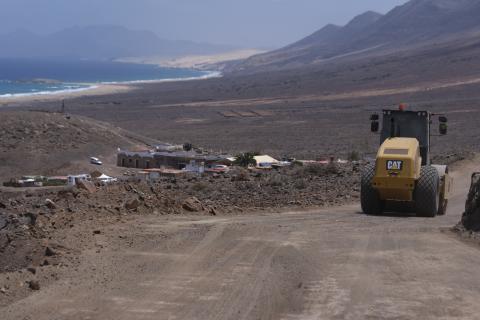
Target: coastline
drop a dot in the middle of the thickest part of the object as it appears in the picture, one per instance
(93, 90)
(209, 64)
(97, 90)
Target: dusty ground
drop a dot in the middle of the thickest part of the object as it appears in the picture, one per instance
(47, 143)
(321, 264)
(231, 115)
(33, 219)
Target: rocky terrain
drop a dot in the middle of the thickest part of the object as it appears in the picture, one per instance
(48, 228)
(42, 230)
(293, 264)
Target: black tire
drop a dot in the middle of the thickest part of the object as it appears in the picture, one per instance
(370, 199)
(427, 198)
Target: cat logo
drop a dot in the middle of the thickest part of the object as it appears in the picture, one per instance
(394, 165)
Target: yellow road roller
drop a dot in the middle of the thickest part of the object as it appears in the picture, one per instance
(403, 176)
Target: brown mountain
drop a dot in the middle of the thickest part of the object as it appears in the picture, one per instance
(417, 23)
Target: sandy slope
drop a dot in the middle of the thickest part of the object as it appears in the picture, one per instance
(329, 264)
(202, 62)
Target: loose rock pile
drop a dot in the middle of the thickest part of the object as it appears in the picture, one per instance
(31, 221)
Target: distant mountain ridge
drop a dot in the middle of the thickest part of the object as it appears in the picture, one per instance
(413, 24)
(98, 42)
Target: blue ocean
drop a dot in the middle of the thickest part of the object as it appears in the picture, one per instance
(19, 77)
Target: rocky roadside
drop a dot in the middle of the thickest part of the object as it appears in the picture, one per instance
(469, 226)
(43, 232)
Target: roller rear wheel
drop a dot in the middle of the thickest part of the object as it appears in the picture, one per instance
(370, 199)
(427, 197)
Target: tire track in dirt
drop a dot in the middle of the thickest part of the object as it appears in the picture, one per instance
(324, 264)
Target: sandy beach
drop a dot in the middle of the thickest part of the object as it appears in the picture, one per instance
(97, 90)
(211, 63)
(100, 89)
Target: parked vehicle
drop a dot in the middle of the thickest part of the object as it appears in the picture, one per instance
(281, 164)
(217, 168)
(96, 161)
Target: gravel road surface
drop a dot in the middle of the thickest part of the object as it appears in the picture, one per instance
(326, 264)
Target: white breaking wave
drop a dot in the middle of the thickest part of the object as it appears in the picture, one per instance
(209, 75)
(73, 89)
(43, 93)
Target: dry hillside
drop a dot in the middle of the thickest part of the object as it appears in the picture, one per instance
(53, 143)
(417, 23)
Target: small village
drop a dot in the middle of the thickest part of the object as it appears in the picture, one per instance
(166, 160)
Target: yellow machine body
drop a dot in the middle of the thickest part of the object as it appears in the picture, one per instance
(397, 169)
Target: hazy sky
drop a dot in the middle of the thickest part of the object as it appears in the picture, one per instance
(249, 23)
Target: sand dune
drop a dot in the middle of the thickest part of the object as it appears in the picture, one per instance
(202, 62)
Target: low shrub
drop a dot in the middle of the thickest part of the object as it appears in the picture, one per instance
(353, 156)
(276, 180)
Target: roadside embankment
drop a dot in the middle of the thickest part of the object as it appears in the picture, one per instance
(470, 223)
(37, 216)
(43, 232)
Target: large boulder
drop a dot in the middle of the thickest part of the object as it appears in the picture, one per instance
(192, 204)
(471, 216)
(132, 204)
(50, 204)
(87, 185)
(34, 285)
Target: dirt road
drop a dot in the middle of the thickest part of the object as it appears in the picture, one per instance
(324, 264)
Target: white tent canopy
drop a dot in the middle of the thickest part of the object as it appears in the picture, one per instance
(107, 179)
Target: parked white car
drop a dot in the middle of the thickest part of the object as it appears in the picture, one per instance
(96, 161)
(217, 168)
